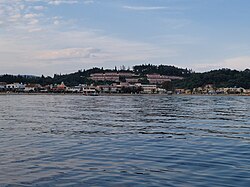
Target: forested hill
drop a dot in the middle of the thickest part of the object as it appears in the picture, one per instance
(81, 76)
(161, 69)
(220, 78)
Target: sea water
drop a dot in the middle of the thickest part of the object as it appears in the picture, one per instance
(157, 140)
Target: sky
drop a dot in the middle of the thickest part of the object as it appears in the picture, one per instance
(63, 36)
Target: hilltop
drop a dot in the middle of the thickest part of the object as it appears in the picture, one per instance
(189, 79)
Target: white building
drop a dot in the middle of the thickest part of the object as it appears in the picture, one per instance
(15, 87)
(32, 87)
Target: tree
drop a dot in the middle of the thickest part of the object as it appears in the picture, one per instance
(167, 85)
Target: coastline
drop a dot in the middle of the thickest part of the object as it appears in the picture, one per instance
(120, 94)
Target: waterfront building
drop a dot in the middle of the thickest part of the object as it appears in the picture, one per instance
(148, 88)
(220, 91)
(247, 91)
(234, 90)
(3, 86)
(59, 88)
(19, 87)
(161, 91)
(89, 91)
(74, 89)
(32, 87)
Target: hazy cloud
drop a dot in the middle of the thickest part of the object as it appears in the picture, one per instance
(141, 8)
(241, 62)
(39, 8)
(69, 53)
(58, 2)
(238, 63)
(88, 1)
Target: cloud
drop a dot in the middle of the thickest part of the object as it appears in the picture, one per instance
(144, 8)
(39, 8)
(29, 16)
(69, 53)
(58, 2)
(88, 1)
(32, 39)
(35, 30)
(101, 48)
(50, 50)
(16, 15)
(238, 63)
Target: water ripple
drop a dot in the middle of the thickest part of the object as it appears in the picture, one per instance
(63, 140)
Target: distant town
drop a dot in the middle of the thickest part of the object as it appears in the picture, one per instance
(143, 79)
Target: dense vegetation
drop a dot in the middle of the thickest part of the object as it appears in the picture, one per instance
(161, 69)
(220, 78)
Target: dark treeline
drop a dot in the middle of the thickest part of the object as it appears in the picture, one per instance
(161, 69)
(219, 78)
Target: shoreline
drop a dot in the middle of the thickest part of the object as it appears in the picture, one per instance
(121, 94)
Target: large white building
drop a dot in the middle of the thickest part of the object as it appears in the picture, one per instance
(105, 77)
(157, 78)
(110, 76)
